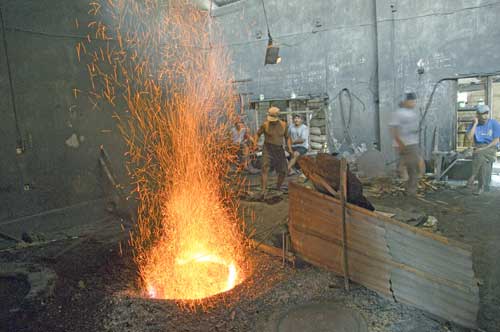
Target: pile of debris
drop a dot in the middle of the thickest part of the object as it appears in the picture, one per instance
(384, 186)
(412, 218)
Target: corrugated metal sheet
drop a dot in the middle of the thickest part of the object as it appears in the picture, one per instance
(416, 267)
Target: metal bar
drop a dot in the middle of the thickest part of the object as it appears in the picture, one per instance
(11, 85)
(272, 250)
(447, 169)
(343, 198)
(283, 245)
(44, 213)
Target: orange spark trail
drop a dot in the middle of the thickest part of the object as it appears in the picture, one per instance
(165, 68)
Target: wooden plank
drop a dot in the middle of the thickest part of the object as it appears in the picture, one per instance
(375, 217)
(343, 199)
(425, 270)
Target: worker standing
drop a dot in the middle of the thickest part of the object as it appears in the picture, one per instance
(273, 155)
(404, 129)
(485, 134)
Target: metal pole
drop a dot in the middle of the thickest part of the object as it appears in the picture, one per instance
(343, 199)
(11, 85)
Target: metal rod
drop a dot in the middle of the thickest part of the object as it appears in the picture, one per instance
(343, 198)
(283, 244)
(11, 85)
(447, 169)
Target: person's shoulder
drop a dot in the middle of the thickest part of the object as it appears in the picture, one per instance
(495, 122)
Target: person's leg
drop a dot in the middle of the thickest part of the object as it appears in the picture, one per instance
(280, 167)
(263, 178)
(489, 170)
(295, 156)
(411, 161)
(281, 179)
(412, 183)
(244, 155)
(247, 164)
(479, 165)
(265, 168)
(481, 175)
(476, 166)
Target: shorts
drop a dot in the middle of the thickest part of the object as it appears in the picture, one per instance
(300, 149)
(273, 157)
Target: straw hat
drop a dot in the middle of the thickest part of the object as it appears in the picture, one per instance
(273, 114)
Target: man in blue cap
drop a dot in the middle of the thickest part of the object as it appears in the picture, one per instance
(485, 134)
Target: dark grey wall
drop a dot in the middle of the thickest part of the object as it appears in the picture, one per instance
(365, 46)
(41, 38)
(451, 38)
(371, 47)
(340, 53)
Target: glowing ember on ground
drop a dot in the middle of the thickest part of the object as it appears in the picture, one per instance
(173, 76)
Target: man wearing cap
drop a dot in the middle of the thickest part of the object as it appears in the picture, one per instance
(404, 129)
(273, 155)
(485, 134)
(299, 135)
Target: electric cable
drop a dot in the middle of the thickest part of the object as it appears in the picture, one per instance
(347, 120)
(267, 23)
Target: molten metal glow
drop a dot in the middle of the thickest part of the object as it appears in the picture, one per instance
(198, 276)
(172, 78)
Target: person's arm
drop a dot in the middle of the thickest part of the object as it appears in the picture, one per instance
(472, 131)
(298, 141)
(397, 137)
(394, 130)
(288, 140)
(496, 136)
(258, 134)
(304, 135)
(289, 144)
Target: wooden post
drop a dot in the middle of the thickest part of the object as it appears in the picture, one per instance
(343, 199)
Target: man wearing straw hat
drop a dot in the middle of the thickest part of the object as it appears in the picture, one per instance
(273, 156)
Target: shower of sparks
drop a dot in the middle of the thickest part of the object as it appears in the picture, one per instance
(161, 61)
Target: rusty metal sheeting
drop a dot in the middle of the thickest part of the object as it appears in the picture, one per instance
(412, 266)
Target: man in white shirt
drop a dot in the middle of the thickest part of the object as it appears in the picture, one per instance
(405, 131)
(299, 134)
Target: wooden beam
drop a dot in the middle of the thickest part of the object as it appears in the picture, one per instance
(343, 199)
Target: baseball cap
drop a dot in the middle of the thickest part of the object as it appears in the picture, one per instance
(482, 109)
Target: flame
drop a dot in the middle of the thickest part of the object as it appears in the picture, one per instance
(173, 76)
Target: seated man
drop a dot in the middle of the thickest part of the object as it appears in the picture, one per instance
(485, 134)
(299, 134)
(241, 138)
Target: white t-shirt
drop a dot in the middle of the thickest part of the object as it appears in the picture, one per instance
(406, 120)
(300, 132)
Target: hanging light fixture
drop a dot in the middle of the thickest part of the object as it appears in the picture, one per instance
(272, 51)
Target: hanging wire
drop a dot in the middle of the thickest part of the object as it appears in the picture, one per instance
(267, 23)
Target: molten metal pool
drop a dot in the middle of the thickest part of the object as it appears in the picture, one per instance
(198, 276)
